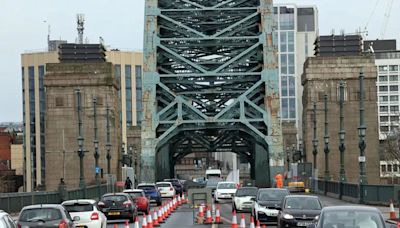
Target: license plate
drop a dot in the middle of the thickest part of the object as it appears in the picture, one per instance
(79, 226)
(163, 193)
(304, 223)
(113, 213)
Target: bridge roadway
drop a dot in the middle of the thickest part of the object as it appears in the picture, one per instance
(183, 216)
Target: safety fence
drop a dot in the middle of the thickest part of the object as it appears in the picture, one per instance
(14, 202)
(367, 194)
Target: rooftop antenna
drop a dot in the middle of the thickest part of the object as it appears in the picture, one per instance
(80, 21)
(48, 34)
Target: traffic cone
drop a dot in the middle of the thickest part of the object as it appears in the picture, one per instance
(217, 216)
(149, 221)
(201, 212)
(144, 221)
(136, 222)
(234, 220)
(392, 212)
(183, 199)
(115, 225)
(126, 224)
(242, 222)
(258, 224)
(155, 219)
(264, 226)
(160, 216)
(208, 217)
(252, 222)
(398, 224)
(164, 212)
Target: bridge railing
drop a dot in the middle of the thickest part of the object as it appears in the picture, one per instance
(372, 194)
(14, 202)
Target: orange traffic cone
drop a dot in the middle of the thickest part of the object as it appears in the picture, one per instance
(155, 219)
(398, 224)
(234, 220)
(144, 221)
(392, 212)
(242, 222)
(137, 222)
(217, 216)
(252, 222)
(126, 224)
(115, 225)
(201, 212)
(208, 217)
(183, 199)
(258, 224)
(264, 226)
(160, 216)
(149, 221)
(179, 200)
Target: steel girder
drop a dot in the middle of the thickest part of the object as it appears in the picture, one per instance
(210, 66)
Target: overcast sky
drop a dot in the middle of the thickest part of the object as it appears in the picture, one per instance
(24, 25)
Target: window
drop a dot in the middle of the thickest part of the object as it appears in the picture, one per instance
(383, 78)
(394, 98)
(394, 108)
(291, 63)
(383, 98)
(393, 78)
(283, 63)
(383, 88)
(395, 166)
(128, 89)
(383, 168)
(284, 89)
(285, 108)
(139, 111)
(394, 118)
(59, 102)
(393, 68)
(383, 68)
(283, 42)
(384, 128)
(290, 41)
(394, 88)
(305, 19)
(389, 168)
(384, 118)
(292, 86)
(383, 108)
(292, 108)
(286, 18)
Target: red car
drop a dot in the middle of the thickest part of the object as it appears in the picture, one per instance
(142, 202)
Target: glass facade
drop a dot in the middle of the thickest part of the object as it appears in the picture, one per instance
(117, 70)
(128, 89)
(42, 107)
(32, 119)
(139, 111)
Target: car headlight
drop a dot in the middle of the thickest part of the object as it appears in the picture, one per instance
(316, 217)
(288, 216)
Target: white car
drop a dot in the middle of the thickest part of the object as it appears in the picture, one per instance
(166, 189)
(244, 199)
(268, 203)
(89, 215)
(225, 191)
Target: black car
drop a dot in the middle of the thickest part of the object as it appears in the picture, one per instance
(299, 211)
(177, 185)
(45, 215)
(268, 204)
(118, 206)
(349, 216)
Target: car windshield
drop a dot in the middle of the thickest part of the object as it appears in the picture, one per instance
(174, 182)
(303, 203)
(163, 185)
(40, 215)
(212, 183)
(115, 198)
(351, 218)
(277, 195)
(135, 194)
(226, 186)
(246, 192)
(79, 207)
(147, 187)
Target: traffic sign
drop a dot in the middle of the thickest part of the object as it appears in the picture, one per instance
(97, 170)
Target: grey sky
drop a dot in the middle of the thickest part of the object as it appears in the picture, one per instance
(120, 23)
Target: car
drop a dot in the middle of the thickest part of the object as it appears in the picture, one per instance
(90, 216)
(299, 211)
(151, 191)
(242, 200)
(142, 201)
(118, 206)
(177, 185)
(225, 191)
(350, 216)
(212, 184)
(167, 190)
(267, 204)
(6, 221)
(296, 186)
(45, 215)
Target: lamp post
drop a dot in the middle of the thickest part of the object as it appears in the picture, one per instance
(108, 144)
(326, 141)
(96, 143)
(362, 145)
(288, 158)
(124, 156)
(342, 134)
(300, 151)
(81, 152)
(315, 145)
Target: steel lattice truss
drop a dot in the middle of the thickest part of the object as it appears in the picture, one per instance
(210, 76)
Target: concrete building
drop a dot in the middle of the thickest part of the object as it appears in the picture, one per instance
(322, 76)
(128, 70)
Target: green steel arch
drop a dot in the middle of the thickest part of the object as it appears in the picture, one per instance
(210, 84)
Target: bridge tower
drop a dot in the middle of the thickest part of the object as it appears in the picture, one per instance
(210, 84)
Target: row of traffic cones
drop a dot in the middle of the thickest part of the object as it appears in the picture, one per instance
(209, 219)
(159, 215)
(243, 222)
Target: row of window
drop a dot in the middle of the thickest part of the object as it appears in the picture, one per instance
(390, 168)
(391, 68)
(392, 88)
(386, 118)
(387, 129)
(386, 108)
(387, 98)
(392, 78)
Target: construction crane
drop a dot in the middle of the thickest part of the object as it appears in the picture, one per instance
(386, 18)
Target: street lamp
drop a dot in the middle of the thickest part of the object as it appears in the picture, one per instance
(288, 158)
(108, 144)
(81, 151)
(362, 145)
(326, 139)
(96, 143)
(342, 134)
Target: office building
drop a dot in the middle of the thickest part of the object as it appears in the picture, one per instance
(128, 70)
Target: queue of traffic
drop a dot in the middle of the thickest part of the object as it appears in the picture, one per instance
(88, 213)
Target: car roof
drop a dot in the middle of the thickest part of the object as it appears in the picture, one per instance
(69, 202)
(244, 188)
(351, 207)
(116, 194)
(146, 184)
(302, 196)
(163, 182)
(35, 206)
(273, 189)
(227, 182)
(133, 190)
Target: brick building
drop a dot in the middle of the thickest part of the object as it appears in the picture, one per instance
(322, 76)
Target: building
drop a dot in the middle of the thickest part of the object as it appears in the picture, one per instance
(322, 76)
(128, 68)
